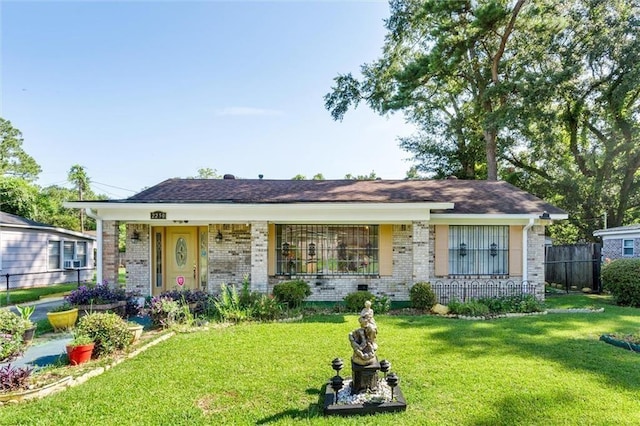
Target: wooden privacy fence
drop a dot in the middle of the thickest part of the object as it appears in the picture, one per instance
(471, 290)
(574, 266)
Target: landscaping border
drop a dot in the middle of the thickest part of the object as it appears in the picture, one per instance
(69, 381)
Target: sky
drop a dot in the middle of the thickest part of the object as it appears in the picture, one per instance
(141, 91)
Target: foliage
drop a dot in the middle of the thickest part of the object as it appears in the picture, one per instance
(267, 308)
(19, 197)
(499, 305)
(80, 340)
(14, 378)
(228, 305)
(354, 302)
(381, 304)
(292, 293)
(422, 296)
(14, 161)
(109, 332)
(622, 278)
(164, 311)
(11, 345)
(97, 294)
(11, 323)
(66, 306)
(186, 296)
(493, 361)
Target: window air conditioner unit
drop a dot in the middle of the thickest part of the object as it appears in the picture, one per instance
(71, 264)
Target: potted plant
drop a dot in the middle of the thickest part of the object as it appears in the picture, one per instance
(29, 326)
(63, 317)
(135, 329)
(79, 350)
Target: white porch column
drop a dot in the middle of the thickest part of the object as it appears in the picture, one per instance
(259, 251)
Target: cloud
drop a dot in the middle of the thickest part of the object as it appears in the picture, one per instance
(249, 112)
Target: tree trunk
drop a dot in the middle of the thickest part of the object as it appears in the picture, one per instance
(490, 137)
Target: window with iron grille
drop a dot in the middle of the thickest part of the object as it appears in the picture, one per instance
(478, 250)
(327, 249)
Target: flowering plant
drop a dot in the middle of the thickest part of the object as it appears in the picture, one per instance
(98, 294)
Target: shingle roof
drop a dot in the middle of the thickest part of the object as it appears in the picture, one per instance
(470, 197)
(12, 219)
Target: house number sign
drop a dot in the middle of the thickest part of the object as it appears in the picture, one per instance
(158, 215)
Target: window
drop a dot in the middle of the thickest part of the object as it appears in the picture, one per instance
(327, 249)
(81, 256)
(68, 251)
(627, 247)
(478, 250)
(54, 255)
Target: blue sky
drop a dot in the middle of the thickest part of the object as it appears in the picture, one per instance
(141, 91)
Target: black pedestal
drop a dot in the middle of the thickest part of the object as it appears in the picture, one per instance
(365, 377)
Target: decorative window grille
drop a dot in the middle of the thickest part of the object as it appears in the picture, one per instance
(627, 247)
(478, 250)
(327, 249)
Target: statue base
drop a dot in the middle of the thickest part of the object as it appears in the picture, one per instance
(365, 377)
(331, 408)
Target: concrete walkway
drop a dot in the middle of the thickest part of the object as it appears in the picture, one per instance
(44, 350)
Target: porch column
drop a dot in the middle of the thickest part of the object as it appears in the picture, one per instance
(259, 250)
(420, 237)
(110, 252)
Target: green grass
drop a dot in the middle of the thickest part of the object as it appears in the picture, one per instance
(536, 370)
(18, 296)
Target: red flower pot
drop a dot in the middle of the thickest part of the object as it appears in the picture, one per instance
(79, 354)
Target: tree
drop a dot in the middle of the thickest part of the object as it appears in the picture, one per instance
(14, 161)
(78, 176)
(318, 176)
(207, 173)
(448, 62)
(370, 176)
(582, 117)
(18, 196)
(299, 177)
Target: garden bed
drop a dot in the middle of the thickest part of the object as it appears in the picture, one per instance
(620, 342)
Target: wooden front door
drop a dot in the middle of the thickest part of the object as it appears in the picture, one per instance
(181, 258)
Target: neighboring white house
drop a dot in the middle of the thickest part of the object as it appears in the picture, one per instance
(338, 235)
(36, 254)
(620, 242)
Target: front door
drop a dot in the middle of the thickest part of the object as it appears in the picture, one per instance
(181, 257)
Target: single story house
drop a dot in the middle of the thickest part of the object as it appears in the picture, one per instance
(620, 242)
(36, 254)
(338, 235)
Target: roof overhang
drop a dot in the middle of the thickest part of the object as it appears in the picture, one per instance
(497, 218)
(205, 213)
(49, 229)
(619, 232)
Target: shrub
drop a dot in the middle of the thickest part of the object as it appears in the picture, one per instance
(11, 345)
(11, 323)
(109, 332)
(164, 311)
(14, 378)
(267, 308)
(292, 293)
(228, 306)
(97, 294)
(473, 308)
(354, 302)
(622, 278)
(422, 296)
(381, 305)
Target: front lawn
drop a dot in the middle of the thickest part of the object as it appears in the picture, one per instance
(547, 369)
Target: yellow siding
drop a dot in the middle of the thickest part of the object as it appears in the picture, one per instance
(386, 249)
(441, 250)
(515, 250)
(271, 250)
